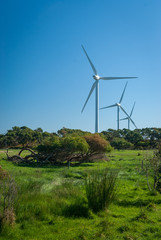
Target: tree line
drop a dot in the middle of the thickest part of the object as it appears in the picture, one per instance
(145, 138)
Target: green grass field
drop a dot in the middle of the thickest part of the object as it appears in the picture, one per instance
(51, 202)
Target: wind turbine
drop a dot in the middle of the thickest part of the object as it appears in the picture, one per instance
(96, 87)
(129, 118)
(118, 105)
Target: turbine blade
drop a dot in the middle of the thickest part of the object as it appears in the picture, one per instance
(123, 119)
(114, 78)
(123, 93)
(92, 88)
(114, 105)
(133, 122)
(124, 111)
(94, 70)
(132, 109)
(128, 116)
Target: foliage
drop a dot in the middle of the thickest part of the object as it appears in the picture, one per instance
(63, 149)
(72, 132)
(74, 144)
(49, 145)
(146, 138)
(100, 189)
(58, 150)
(23, 136)
(153, 168)
(97, 144)
(121, 143)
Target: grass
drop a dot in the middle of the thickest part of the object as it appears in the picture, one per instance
(52, 202)
(100, 188)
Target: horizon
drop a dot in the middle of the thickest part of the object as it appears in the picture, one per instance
(106, 130)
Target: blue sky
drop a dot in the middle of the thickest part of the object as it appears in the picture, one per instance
(45, 76)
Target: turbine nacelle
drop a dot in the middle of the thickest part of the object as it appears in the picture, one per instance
(96, 77)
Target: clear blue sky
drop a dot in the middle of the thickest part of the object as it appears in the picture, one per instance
(45, 76)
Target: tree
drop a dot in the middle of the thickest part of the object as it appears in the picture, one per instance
(74, 148)
(121, 143)
(3, 141)
(75, 144)
(26, 136)
(58, 149)
(72, 132)
(38, 135)
(19, 136)
(55, 149)
(134, 137)
(110, 134)
(50, 145)
(97, 144)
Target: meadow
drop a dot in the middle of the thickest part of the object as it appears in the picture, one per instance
(51, 201)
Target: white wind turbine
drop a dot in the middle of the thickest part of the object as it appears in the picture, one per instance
(96, 87)
(129, 118)
(118, 105)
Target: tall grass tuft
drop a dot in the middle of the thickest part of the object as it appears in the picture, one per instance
(100, 188)
(8, 194)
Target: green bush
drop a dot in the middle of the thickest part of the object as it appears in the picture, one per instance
(100, 188)
(121, 143)
(97, 144)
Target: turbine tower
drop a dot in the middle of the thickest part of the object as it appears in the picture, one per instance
(96, 87)
(118, 105)
(129, 117)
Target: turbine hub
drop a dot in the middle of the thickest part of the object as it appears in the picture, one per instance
(118, 104)
(96, 77)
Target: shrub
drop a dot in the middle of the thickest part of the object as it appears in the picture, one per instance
(100, 189)
(153, 168)
(121, 143)
(68, 149)
(97, 144)
(75, 144)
